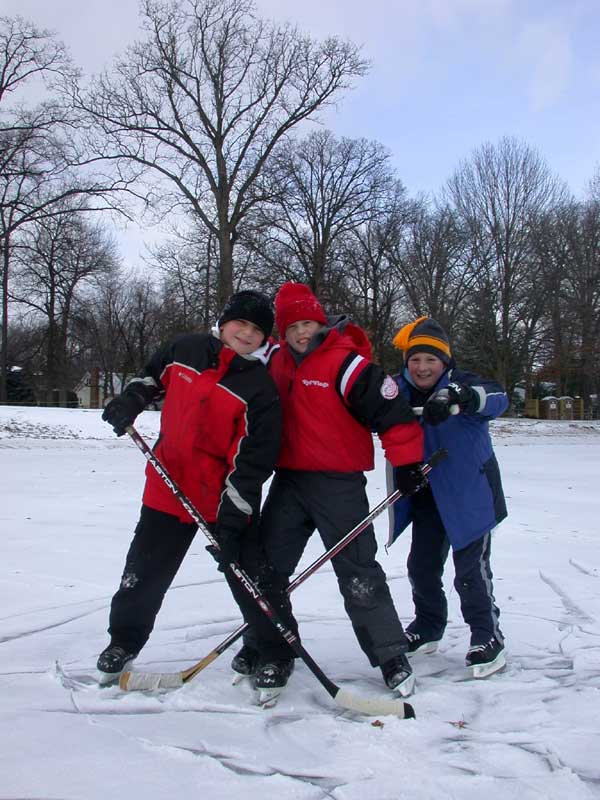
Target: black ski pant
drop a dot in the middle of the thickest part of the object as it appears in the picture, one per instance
(333, 503)
(158, 547)
(473, 577)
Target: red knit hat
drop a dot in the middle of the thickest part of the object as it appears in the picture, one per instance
(295, 302)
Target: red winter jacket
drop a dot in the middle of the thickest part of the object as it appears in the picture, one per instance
(333, 398)
(219, 432)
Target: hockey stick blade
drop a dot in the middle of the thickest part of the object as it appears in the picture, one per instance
(150, 681)
(454, 410)
(373, 706)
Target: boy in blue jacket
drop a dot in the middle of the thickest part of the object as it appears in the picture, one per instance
(464, 499)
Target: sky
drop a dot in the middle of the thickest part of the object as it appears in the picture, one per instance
(70, 500)
(446, 75)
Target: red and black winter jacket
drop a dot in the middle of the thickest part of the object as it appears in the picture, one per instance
(333, 398)
(220, 429)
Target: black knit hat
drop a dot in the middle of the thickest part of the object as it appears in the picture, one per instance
(424, 335)
(251, 306)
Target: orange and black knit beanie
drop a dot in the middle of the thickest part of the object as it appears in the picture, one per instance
(424, 335)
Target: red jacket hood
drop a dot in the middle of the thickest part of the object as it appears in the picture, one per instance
(341, 334)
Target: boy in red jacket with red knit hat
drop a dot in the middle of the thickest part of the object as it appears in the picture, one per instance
(332, 396)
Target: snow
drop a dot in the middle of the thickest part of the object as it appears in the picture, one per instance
(70, 501)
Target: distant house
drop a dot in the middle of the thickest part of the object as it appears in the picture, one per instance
(90, 389)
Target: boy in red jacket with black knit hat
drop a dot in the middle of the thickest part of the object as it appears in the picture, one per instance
(332, 396)
(219, 437)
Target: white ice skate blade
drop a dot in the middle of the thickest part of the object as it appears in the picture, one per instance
(238, 677)
(485, 670)
(406, 687)
(267, 698)
(425, 649)
(106, 678)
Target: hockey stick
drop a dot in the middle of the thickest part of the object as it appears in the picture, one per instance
(454, 410)
(344, 699)
(173, 680)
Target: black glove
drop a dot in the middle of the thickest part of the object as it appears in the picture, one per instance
(122, 411)
(229, 547)
(465, 397)
(409, 478)
(439, 407)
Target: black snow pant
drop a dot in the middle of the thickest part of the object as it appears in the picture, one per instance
(473, 577)
(333, 503)
(158, 547)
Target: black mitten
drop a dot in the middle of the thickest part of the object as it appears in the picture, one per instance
(409, 478)
(455, 397)
(229, 546)
(123, 410)
(437, 409)
(465, 397)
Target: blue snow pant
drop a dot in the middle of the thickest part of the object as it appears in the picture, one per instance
(472, 581)
(155, 554)
(333, 503)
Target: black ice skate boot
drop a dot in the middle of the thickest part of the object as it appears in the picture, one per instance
(112, 662)
(485, 659)
(244, 663)
(418, 643)
(397, 674)
(270, 678)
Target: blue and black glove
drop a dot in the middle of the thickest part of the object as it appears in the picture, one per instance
(123, 410)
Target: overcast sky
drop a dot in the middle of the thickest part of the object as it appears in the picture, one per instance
(447, 75)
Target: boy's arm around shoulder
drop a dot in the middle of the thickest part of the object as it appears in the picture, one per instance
(375, 398)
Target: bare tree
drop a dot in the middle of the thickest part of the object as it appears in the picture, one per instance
(322, 188)
(204, 99)
(120, 325)
(56, 259)
(569, 243)
(188, 262)
(39, 159)
(434, 259)
(371, 287)
(499, 194)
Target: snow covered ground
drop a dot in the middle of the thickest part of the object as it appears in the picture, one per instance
(70, 499)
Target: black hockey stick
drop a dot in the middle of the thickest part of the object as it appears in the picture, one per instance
(343, 698)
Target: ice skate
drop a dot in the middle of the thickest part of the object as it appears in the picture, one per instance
(486, 659)
(397, 674)
(112, 662)
(420, 644)
(244, 664)
(270, 679)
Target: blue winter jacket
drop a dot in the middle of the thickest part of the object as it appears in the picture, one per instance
(466, 486)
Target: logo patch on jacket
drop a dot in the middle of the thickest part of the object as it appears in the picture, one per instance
(389, 388)
(322, 384)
